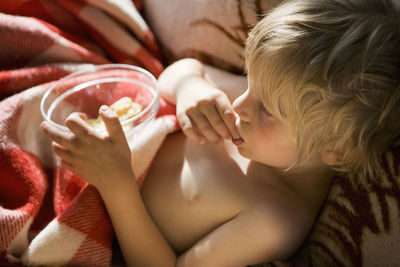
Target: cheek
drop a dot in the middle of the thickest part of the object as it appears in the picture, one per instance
(274, 147)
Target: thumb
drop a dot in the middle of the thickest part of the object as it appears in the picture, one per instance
(112, 123)
(83, 116)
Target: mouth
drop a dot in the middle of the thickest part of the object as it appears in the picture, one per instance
(237, 141)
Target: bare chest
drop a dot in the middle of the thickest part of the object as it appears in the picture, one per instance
(192, 189)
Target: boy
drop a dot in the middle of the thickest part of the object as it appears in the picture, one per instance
(323, 91)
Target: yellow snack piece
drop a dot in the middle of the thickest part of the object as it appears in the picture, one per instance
(125, 108)
(95, 123)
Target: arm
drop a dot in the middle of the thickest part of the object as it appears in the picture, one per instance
(105, 162)
(261, 234)
(203, 96)
(176, 75)
(140, 240)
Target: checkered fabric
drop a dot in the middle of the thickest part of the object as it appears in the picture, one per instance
(49, 216)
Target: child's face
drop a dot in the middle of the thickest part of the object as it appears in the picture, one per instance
(266, 138)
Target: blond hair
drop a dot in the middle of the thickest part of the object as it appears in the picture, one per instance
(336, 64)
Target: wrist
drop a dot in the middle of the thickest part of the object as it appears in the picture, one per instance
(189, 83)
(116, 182)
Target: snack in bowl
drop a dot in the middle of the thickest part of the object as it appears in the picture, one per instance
(132, 92)
(125, 108)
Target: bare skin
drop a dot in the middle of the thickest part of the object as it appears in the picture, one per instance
(207, 201)
(201, 190)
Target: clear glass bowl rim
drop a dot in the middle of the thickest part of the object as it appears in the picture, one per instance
(95, 69)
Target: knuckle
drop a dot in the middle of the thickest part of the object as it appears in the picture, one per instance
(84, 131)
(212, 137)
(219, 124)
(208, 130)
(73, 116)
(73, 140)
(69, 122)
(188, 131)
(185, 126)
(191, 110)
(181, 115)
(228, 114)
(203, 125)
(230, 123)
(182, 118)
(223, 132)
(220, 96)
(205, 104)
(229, 118)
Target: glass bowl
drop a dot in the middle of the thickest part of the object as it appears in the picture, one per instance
(87, 90)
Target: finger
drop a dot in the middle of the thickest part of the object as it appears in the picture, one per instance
(62, 152)
(112, 123)
(188, 129)
(62, 137)
(216, 121)
(76, 123)
(203, 140)
(205, 127)
(228, 115)
(83, 116)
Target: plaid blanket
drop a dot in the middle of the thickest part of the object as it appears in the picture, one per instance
(49, 216)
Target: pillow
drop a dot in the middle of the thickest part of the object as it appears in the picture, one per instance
(213, 31)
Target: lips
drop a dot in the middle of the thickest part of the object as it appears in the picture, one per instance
(237, 141)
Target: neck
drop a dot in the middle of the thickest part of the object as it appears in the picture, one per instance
(307, 180)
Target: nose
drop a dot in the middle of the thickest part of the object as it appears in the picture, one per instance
(241, 106)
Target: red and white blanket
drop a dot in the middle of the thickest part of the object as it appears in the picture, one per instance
(49, 216)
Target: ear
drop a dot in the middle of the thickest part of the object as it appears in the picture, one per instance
(331, 157)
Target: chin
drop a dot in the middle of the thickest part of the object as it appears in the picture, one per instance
(242, 151)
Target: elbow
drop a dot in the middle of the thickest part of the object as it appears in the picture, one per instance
(171, 78)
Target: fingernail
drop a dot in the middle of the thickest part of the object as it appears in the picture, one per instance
(83, 116)
(202, 141)
(104, 108)
(235, 135)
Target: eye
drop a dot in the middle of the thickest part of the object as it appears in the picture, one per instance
(263, 110)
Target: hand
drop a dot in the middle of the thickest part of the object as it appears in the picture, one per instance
(205, 112)
(103, 161)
